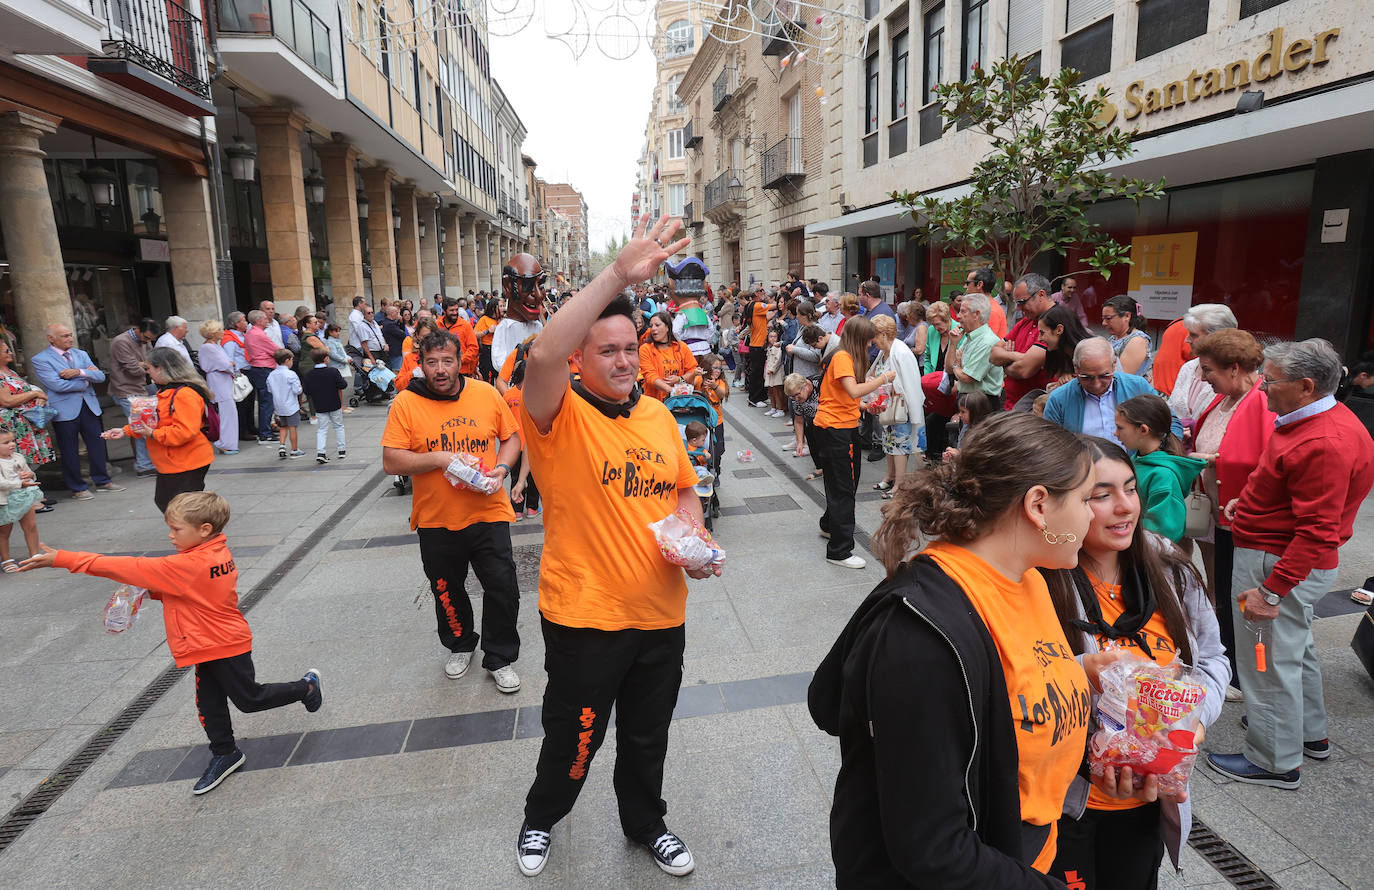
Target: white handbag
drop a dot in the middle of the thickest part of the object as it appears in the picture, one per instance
(894, 412)
(243, 387)
(1197, 514)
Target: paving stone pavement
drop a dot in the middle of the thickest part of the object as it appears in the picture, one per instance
(408, 779)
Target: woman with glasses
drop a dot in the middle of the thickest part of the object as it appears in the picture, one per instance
(1130, 343)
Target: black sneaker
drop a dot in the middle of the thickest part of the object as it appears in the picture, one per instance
(531, 850)
(1317, 750)
(314, 697)
(281, 454)
(221, 765)
(342, 454)
(672, 854)
(321, 458)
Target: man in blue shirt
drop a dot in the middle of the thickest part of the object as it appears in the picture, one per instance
(1087, 404)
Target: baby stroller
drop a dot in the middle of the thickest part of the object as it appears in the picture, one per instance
(371, 380)
(686, 408)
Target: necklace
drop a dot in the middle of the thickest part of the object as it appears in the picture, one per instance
(1113, 585)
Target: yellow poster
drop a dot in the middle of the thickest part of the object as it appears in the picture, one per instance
(1161, 278)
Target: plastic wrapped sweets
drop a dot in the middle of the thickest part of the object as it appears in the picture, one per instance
(1149, 714)
(468, 472)
(683, 542)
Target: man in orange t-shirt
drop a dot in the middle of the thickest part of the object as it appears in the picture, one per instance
(457, 324)
(757, 314)
(609, 462)
(432, 421)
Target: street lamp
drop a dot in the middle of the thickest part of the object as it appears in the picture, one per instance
(151, 221)
(314, 182)
(101, 181)
(243, 158)
(396, 219)
(422, 228)
(363, 204)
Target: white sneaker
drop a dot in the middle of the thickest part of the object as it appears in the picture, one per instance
(849, 562)
(531, 850)
(672, 854)
(758, 404)
(457, 665)
(1234, 694)
(507, 680)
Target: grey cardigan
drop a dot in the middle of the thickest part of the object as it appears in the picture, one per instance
(1210, 660)
(806, 360)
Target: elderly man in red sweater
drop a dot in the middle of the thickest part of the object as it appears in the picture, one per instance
(1296, 510)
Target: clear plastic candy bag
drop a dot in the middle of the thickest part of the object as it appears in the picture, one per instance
(123, 609)
(143, 413)
(683, 542)
(1148, 715)
(879, 398)
(468, 472)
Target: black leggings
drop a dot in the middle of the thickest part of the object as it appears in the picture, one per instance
(1116, 849)
(837, 453)
(232, 679)
(169, 485)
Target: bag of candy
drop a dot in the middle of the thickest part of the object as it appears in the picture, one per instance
(878, 399)
(143, 413)
(122, 610)
(1148, 715)
(683, 542)
(467, 471)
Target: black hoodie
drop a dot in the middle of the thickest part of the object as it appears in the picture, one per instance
(927, 793)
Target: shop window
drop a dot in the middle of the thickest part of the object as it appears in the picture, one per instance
(1255, 7)
(1166, 23)
(1089, 51)
(1251, 240)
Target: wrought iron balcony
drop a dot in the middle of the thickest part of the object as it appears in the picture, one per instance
(690, 137)
(723, 88)
(782, 164)
(782, 26)
(725, 193)
(160, 36)
(290, 21)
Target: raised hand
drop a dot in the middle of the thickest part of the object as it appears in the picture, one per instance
(650, 248)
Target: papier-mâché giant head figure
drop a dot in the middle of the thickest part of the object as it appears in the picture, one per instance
(522, 283)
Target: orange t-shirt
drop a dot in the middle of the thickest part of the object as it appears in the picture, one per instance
(476, 423)
(462, 329)
(998, 322)
(657, 362)
(836, 409)
(409, 362)
(1161, 643)
(1051, 701)
(716, 394)
(514, 399)
(485, 329)
(508, 366)
(758, 325)
(603, 480)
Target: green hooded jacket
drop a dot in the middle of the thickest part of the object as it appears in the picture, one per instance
(1163, 480)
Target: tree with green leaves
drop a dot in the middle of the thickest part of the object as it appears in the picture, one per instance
(1031, 194)
(602, 258)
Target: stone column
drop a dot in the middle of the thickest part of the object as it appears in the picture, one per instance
(453, 254)
(381, 244)
(408, 244)
(429, 247)
(191, 242)
(31, 245)
(341, 225)
(283, 205)
(468, 227)
(483, 256)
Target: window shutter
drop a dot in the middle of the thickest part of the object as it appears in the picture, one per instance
(1025, 20)
(1084, 12)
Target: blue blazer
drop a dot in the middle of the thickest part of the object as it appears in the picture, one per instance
(1065, 406)
(67, 396)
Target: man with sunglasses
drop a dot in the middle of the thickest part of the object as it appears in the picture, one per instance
(522, 284)
(1021, 355)
(1087, 404)
(982, 281)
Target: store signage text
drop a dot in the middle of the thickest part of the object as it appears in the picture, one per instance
(1276, 60)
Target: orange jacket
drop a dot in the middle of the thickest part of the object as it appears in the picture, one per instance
(462, 329)
(409, 363)
(177, 444)
(198, 589)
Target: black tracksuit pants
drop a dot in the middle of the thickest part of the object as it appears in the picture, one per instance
(837, 454)
(1117, 849)
(753, 374)
(637, 671)
(446, 555)
(227, 680)
(531, 499)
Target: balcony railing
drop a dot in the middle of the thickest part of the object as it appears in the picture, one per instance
(727, 188)
(161, 36)
(690, 137)
(723, 88)
(782, 163)
(781, 22)
(290, 21)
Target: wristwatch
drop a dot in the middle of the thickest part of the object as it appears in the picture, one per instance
(1269, 596)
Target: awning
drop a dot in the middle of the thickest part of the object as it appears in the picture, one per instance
(882, 219)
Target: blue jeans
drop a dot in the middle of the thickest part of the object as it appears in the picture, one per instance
(141, 459)
(259, 378)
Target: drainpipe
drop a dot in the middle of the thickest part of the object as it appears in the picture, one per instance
(224, 264)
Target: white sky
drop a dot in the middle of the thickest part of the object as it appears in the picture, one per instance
(585, 117)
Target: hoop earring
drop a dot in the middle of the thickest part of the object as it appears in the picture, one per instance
(1066, 538)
